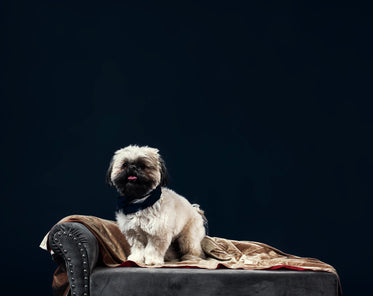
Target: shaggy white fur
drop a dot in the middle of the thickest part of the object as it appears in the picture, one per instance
(151, 231)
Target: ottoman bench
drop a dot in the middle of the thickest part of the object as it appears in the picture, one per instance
(77, 248)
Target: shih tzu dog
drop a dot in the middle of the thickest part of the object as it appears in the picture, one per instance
(158, 223)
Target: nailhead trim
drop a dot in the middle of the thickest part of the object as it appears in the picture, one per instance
(82, 250)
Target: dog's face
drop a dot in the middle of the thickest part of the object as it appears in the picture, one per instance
(135, 171)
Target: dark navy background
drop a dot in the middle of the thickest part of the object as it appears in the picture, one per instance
(261, 110)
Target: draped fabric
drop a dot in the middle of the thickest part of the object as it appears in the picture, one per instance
(220, 253)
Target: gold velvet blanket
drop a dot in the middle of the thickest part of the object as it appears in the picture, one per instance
(220, 253)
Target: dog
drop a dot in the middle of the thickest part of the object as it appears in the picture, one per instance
(159, 224)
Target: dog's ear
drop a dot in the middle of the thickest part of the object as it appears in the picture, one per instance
(108, 173)
(164, 173)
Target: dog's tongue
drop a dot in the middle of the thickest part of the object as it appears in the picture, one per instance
(132, 178)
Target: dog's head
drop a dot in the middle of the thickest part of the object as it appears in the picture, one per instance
(134, 171)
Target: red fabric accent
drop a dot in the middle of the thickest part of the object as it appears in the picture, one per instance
(286, 267)
(129, 263)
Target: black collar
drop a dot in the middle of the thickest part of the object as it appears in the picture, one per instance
(129, 207)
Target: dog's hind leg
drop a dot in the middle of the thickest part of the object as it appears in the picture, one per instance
(190, 241)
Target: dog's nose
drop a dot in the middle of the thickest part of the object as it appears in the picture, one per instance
(132, 167)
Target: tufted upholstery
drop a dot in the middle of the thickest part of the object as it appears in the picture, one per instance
(79, 249)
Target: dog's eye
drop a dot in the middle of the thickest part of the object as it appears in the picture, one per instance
(124, 165)
(142, 166)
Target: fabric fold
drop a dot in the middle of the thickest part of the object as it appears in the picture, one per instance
(220, 253)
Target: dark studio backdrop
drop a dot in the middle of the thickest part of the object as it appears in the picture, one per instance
(261, 110)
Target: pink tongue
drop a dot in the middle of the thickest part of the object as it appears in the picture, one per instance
(132, 178)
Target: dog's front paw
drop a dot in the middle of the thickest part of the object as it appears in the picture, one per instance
(136, 257)
(152, 260)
